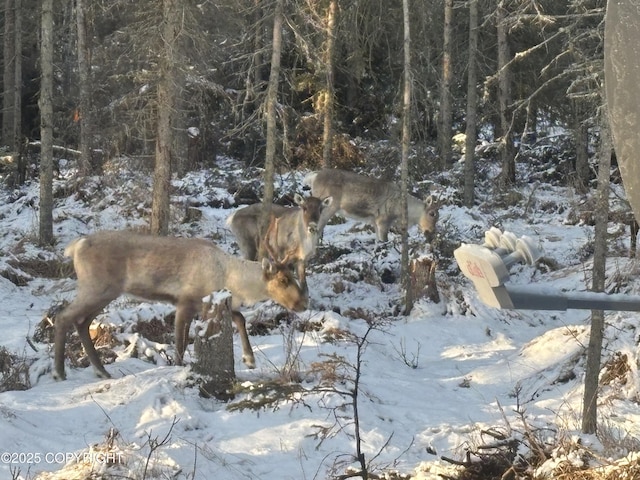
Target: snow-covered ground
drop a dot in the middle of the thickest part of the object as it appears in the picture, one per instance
(430, 384)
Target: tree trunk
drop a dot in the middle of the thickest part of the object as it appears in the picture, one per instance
(271, 109)
(472, 107)
(45, 103)
(255, 74)
(272, 103)
(422, 281)
(66, 48)
(8, 55)
(633, 232)
(404, 163)
(446, 115)
(184, 162)
(594, 352)
(508, 173)
(160, 209)
(17, 79)
(214, 348)
(18, 142)
(327, 133)
(581, 135)
(84, 162)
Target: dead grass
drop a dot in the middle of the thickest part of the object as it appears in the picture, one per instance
(263, 395)
(620, 470)
(44, 331)
(102, 335)
(104, 341)
(157, 330)
(505, 457)
(15, 277)
(43, 268)
(616, 370)
(14, 371)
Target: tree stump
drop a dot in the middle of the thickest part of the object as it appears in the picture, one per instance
(192, 214)
(213, 347)
(422, 281)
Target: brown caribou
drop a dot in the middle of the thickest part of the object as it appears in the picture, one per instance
(370, 199)
(292, 233)
(177, 270)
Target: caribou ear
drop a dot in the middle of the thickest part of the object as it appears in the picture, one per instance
(299, 199)
(429, 201)
(327, 201)
(267, 266)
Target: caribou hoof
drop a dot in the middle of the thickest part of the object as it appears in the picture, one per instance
(250, 362)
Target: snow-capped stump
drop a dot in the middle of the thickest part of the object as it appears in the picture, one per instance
(213, 347)
(422, 281)
(192, 214)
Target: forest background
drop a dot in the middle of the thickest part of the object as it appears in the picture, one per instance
(299, 84)
(172, 84)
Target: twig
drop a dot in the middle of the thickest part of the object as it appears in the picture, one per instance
(455, 462)
(154, 444)
(31, 344)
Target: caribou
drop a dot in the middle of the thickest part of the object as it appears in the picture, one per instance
(181, 271)
(370, 199)
(292, 232)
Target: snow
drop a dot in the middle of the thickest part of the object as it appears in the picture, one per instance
(430, 383)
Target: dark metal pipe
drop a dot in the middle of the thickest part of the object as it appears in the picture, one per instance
(530, 298)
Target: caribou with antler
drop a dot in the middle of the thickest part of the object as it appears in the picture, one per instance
(292, 233)
(177, 270)
(370, 199)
